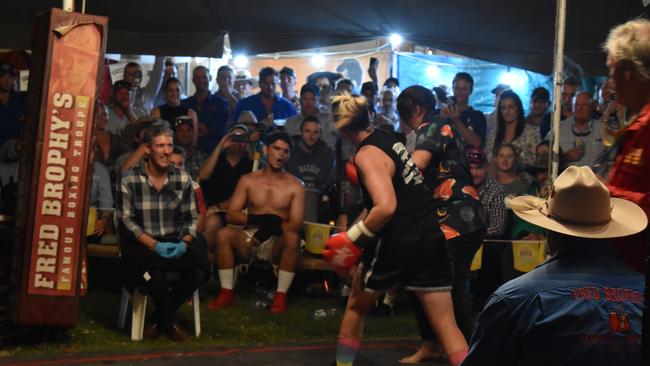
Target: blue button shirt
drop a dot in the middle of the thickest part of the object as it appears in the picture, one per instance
(578, 308)
(213, 113)
(10, 115)
(282, 108)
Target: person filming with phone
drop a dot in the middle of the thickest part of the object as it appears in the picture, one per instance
(219, 175)
(469, 122)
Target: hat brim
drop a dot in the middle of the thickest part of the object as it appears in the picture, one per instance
(627, 219)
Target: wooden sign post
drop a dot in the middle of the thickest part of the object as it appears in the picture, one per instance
(56, 167)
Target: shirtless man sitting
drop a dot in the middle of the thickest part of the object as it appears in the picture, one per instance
(274, 200)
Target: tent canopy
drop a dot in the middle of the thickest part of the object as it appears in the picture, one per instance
(511, 32)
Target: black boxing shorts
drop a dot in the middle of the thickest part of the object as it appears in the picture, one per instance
(417, 262)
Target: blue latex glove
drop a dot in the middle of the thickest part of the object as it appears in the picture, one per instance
(179, 249)
(166, 249)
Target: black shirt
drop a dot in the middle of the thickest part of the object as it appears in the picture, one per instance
(415, 206)
(170, 113)
(221, 184)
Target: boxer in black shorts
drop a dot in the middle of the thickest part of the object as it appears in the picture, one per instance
(398, 240)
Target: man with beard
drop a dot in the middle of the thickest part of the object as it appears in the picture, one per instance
(266, 105)
(310, 107)
(312, 161)
(275, 201)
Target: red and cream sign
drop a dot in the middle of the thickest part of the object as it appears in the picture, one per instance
(54, 264)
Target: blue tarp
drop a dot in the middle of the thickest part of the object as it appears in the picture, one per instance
(433, 70)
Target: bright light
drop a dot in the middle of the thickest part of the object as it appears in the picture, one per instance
(182, 59)
(113, 56)
(395, 40)
(241, 61)
(515, 79)
(433, 71)
(318, 60)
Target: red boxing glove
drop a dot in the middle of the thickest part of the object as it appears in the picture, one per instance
(341, 253)
(351, 172)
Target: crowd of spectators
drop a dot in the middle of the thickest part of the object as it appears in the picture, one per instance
(219, 137)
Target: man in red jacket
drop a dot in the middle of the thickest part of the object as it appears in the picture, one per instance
(628, 59)
(629, 64)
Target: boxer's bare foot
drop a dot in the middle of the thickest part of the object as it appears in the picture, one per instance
(428, 351)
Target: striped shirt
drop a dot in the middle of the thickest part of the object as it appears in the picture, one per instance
(143, 209)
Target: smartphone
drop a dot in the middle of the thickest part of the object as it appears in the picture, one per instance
(280, 122)
(374, 62)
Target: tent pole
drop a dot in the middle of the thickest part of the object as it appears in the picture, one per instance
(558, 66)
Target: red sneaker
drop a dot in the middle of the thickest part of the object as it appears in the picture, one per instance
(225, 299)
(279, 305)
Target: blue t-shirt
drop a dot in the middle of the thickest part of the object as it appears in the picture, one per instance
(282, 108)
(213, 113)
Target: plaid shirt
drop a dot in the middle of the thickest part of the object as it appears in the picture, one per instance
(143, 209)
(493, 198)
(193, 161)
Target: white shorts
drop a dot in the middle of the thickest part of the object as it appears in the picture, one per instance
(264, 251)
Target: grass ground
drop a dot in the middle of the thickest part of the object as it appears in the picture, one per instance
(241, 325)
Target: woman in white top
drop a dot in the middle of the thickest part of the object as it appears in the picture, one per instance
(513, 129)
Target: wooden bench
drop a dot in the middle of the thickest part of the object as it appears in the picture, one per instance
(107, 250)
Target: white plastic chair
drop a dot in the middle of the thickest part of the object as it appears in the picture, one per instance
(139, 304)
(139, 311)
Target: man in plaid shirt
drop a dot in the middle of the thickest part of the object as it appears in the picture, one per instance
(157, 215)
(490, 192)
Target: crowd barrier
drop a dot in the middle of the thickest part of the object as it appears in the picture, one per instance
(527, 254)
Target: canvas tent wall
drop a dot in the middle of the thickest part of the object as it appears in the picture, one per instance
(511, 32)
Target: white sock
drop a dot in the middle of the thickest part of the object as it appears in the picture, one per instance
(284, 280)
(345, 291)
(226, 278)
(389, 299)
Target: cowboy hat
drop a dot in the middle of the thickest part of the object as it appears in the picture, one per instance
(247, 117)
(244, 76)
(579, 205)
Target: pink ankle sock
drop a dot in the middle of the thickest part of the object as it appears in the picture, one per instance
(457, 357)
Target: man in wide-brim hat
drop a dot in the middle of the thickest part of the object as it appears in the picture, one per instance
(583, 306)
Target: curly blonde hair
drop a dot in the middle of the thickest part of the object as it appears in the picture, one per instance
(631, 41)
(350, 112)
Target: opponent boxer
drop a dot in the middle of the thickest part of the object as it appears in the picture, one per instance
(398, 241)
(440, 155)
(275, 202)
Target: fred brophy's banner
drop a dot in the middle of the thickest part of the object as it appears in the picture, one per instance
(54, 263)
